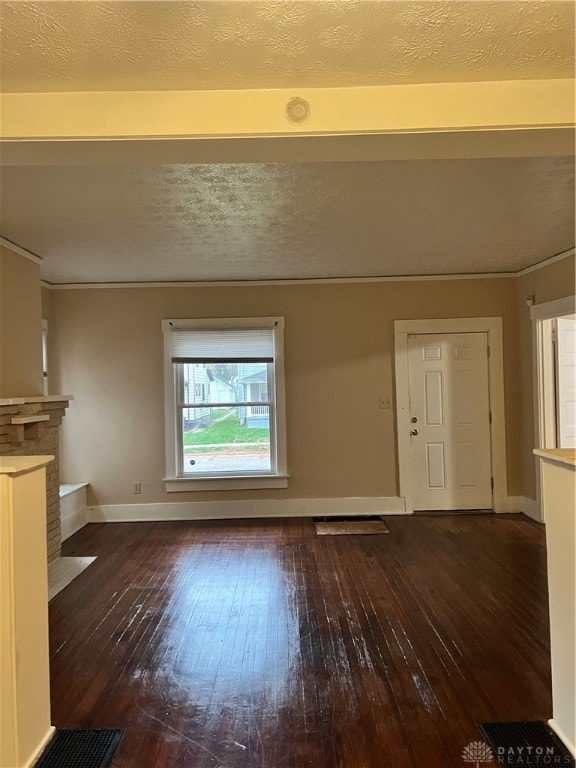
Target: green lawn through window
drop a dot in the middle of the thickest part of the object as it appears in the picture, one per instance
(227, 431)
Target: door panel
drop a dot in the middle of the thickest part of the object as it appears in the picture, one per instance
(566, 382)
(465, 462)
(435, 465)
(449, 409)
(434, 399)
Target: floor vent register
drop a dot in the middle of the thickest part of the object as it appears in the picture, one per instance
(526, 744)
(80, 749)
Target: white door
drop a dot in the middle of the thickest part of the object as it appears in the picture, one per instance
(450, 421)
(566, 382)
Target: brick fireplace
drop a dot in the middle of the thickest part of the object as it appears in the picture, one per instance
(29, 426)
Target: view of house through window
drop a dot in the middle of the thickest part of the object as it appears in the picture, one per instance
(225, 417)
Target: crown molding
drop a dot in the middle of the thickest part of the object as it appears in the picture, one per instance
(304, 281)
(546, 262)
(21, 251)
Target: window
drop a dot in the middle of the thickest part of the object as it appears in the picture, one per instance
(224, 391)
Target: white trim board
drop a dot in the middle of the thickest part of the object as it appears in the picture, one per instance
(245, 509)
(523, 505)
(20, 251)
(546, 262)
(73, 508)
(40, 747)
(556, 308)
(312, 280)
(531, 509)
(562, 736)
(259, 509)
(287, 281)
(492, 326)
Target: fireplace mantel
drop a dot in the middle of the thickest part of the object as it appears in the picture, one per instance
(36, 399)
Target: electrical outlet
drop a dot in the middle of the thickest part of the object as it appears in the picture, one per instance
(386, 402)
(136, 487)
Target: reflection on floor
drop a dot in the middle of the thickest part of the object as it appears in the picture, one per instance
(63, 571)
(258, 644)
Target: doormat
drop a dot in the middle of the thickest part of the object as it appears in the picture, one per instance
(80, 749)
(349, 526)
(526, 743)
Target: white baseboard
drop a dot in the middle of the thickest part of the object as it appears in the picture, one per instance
(562, 736)
(513, 504)
(73, 509)
(531, 509)
(508, 504)
(222, 510)
(41, 746)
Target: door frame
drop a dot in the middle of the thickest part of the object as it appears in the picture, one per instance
(542, 317)
(492, 326)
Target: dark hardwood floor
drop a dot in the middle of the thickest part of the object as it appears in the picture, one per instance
(257, 644)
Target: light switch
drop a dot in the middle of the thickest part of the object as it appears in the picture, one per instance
(386, 402)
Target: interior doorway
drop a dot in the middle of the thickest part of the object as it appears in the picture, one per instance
(554, 355)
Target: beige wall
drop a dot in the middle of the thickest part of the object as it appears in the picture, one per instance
(552, 282)
(339, 361)
(20, 326)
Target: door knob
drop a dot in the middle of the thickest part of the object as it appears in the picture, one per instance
(413, 431)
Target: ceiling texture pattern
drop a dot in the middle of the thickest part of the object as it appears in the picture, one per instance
(282, 221)
(276, 221)
(86, 46)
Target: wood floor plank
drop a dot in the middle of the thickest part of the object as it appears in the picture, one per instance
(258, 644)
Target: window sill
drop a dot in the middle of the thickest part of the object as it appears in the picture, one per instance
(238, 483)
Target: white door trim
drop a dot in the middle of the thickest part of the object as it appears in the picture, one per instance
(542, 317)
(492, 326)
(555, 308)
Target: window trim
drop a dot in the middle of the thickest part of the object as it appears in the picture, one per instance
(238, 480)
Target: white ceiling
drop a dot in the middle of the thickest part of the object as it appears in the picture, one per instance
(282, 221)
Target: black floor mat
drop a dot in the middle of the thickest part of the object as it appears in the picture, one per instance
(526, 743)
(80, 749)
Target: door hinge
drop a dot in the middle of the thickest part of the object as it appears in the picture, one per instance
(492, 483)
(488, 351)
(490, 416)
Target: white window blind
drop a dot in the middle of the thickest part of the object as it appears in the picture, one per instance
(205, 345)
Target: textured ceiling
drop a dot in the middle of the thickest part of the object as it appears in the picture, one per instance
(275, 221)
(258, 221)
(81, 45)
